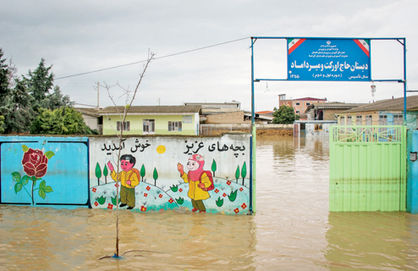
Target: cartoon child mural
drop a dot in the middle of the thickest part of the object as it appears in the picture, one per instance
(200, 181)
(129, 178)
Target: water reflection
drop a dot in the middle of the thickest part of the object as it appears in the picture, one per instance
(381, 241)
(292, 229)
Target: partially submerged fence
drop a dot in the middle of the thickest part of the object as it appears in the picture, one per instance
(367, 168)
(80, 171)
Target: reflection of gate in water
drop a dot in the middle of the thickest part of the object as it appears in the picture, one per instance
(367, 168)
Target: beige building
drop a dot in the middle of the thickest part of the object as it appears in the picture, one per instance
(384, 112)
(300, 104)
(328, 111)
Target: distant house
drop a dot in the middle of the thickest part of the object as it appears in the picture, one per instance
(328, 111)
(220, 113)
(300, 104)
(384, 112)
(144, 120)
(92, 118)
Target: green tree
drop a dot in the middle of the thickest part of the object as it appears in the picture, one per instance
(2, 126)
(40, 85)
(155, 176)
(284, 115)
(105, 173)
(213, 167)
(243, 172)
(63, 120)
(4, 77)
(142, 172)
(17, 110)
(98, 173)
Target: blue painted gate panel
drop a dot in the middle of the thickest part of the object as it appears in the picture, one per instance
(412, 184)
(60, 179)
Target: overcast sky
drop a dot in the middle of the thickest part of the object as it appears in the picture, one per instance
(82, 36)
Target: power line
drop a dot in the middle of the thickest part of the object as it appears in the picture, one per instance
(142, 61)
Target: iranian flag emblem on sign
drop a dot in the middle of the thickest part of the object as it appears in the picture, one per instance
(292, 44)
(364, 45)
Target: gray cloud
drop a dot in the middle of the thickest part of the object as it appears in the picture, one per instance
(78, 36)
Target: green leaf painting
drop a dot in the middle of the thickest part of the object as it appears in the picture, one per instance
(155, 176)
(213, 167)
(180, 201)
(243, 172)
(43, 189)
(237, 172)
(219, 202)
(105, 173)
(25, 179)
(25, 148)
(18, 187)
(98, 173)
(49, 154)
(16, 176)
(101, 200)
(142, 172)
(233, 195)
(113, 200)
(174, 188)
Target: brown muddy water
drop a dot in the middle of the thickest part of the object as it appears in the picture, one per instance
(292, 229)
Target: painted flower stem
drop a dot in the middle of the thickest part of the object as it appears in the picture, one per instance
(33, 184)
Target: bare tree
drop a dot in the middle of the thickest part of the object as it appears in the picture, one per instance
(130, 97)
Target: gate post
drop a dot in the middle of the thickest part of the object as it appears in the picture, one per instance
(412, 181)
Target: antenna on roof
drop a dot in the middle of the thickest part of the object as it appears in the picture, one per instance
(373, 89)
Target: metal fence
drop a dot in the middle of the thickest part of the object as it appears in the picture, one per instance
(367, 168)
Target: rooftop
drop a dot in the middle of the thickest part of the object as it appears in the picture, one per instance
(388, 105)
(163, 109)
(334, 105)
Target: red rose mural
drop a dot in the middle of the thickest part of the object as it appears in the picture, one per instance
(35, 165)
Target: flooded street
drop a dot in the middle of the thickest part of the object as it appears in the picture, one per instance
(292, 229)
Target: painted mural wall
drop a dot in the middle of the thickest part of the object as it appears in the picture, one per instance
(44, 170)
(199, 174)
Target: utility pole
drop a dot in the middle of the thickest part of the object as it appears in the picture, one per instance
(98, 95)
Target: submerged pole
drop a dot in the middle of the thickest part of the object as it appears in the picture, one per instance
(253, 135)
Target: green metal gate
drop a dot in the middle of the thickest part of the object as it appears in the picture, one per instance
(367, 168)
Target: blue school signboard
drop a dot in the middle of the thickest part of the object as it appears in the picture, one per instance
(319, 59)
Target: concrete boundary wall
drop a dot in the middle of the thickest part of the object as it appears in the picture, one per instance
(76, 172)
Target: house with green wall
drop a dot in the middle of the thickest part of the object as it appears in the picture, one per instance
(151, 120)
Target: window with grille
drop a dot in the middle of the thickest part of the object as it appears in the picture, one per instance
(369, 120)
(359, 120)
(125, 126)
(397, 119)
(174, 126)
(383, 120)
(342, 121)
(349, 122)
(148, 126)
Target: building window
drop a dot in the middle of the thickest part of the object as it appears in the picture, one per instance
(124, 127)
(318, 127)
(383, 120)
(187, 119)
(149, 126)
(174, 126)
(308, 103)
(342, 121)
(397, 119)
(359, 120)
(297, 103)
(349, 122)
(369, 120)
(297, 112)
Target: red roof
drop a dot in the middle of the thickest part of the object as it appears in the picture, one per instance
(309, 99)
(264, 112)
